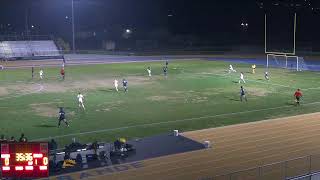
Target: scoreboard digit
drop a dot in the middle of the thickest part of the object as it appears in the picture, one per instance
(24, 160)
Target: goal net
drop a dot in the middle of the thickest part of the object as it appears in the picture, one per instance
(287, 62)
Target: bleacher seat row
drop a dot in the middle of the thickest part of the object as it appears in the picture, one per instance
(22, 49)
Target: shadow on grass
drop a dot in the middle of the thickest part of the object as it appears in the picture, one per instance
(106, 90)
(45, 126)
(234, 99)
(290, 103)
(236, 82)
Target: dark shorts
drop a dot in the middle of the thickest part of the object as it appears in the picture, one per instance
(297, 98)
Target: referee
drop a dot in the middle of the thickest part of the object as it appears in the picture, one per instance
(298, 95)
(62, 117)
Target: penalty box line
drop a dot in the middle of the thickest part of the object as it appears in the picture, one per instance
(267, 83)
(168, 122)
(274, 84)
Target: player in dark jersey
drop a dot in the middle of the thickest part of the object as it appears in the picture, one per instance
(125, 85)
(32, 72)
(62, 117)
(242, 94)
(167, 63)
(165, 70)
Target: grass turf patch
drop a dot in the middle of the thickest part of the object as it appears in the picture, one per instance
(195, 95)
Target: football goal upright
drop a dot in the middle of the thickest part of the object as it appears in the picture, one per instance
(287, 60)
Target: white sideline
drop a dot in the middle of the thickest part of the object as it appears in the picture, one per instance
(167, 122)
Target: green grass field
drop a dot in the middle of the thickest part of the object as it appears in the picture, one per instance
(196, 95)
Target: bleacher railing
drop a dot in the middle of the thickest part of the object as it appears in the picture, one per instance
(25, 38)
(284, 170)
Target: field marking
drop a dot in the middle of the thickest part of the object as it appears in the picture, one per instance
(169, 122)
(313, 88)
(226, 75)
(83, 63)
(261, 82)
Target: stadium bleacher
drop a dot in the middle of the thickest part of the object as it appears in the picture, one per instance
(28, 49)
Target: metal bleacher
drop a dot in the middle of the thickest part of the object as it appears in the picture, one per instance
(28, 49)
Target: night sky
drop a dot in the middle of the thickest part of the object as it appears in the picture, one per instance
(213, 19)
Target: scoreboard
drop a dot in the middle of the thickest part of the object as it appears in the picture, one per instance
(24, 160)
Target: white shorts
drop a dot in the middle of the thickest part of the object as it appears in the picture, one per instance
(81, 101)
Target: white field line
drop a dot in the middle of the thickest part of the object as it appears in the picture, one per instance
(261, 82)
(248, 80)
(83, 63)
(313, 88)
(169, 122)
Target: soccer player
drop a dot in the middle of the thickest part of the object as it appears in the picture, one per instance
(242, 94)
(253, 68)
(149, 71)
(167, 63)
(62, 117)
(297, 95)
(41, 73)
(125, 85)
(165, 70)
(80, 100)
(116, 84)
(62, 72)
(23, 138)
(242, 78)
(231, 69)
(63, 60)
(32, 72)
(266, 75)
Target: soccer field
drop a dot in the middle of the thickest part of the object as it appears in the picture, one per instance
(196, 95)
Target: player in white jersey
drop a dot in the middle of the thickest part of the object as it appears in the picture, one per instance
(80, 100)
(231, 69)
(116, 84)
(242, 78)
(266, 75)
(149, 71)
(41, 73)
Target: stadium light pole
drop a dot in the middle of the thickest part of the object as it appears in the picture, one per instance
(73, 37)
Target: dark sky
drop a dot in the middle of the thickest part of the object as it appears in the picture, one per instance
(196, 17)
(188, 16)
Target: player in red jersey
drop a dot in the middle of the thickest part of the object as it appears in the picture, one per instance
(297, 95)
(62, 72)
